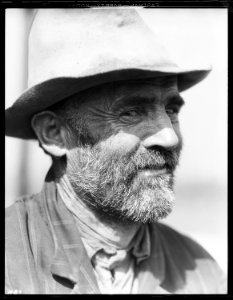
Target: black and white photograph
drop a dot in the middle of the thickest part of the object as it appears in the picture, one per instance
(116, 150)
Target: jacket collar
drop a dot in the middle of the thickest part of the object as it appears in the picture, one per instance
(152, 270)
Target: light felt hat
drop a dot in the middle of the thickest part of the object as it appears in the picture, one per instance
(71, 50)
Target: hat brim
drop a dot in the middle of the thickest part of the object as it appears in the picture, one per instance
(43, 95)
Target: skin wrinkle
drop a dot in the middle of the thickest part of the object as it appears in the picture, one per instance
(105, 165)
(148, 128)
(102, 112)
(119, 173)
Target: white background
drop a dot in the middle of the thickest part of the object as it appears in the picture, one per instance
(194, 37)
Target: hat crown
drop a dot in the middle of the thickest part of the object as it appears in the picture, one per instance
(84, 42)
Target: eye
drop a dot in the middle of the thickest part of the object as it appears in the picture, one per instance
(129, 113)
(171, 111)
(134, 112)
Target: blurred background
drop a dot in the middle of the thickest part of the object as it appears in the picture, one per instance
(194, 37)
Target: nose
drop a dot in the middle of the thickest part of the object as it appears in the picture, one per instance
(165, 137)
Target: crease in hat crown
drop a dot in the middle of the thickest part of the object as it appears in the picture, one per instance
(71, 50)
(84, 42)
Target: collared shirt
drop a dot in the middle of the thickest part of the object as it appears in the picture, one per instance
(114, 259)
(45, 254)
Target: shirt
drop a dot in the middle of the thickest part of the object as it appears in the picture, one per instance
(45, 254)
(113, 252)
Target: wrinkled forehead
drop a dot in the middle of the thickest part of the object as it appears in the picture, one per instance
(107, 94)
(150, 85)
(156, 88)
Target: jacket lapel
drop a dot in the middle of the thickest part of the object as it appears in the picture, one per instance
(152, 270)
(71, 260)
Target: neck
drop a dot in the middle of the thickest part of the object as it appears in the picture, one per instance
(91, 227)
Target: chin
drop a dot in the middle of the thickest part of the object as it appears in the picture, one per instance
(147, 205)
(152, 198)
(154, 206)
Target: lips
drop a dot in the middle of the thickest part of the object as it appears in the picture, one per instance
(153, 167)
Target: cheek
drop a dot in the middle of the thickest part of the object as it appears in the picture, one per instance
(72, 157)
(121, 142)
(99, 130)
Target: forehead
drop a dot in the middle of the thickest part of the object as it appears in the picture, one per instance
(154, 89)
(123, 93)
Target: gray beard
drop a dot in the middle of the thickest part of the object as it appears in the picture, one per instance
(112, 185)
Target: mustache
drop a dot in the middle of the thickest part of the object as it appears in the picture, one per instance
(155, 158)
(121, 166)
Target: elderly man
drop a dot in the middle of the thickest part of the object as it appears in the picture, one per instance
(103, 102)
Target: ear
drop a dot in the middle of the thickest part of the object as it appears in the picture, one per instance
(50, 132)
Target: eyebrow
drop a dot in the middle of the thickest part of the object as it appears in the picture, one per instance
(138, 99)
(175, 98)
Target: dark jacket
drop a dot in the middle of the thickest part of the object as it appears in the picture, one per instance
(45, 255)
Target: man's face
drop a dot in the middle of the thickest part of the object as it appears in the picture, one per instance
(126, 173)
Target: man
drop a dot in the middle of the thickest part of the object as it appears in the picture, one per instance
(103, 102)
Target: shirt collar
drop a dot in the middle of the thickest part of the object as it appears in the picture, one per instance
(95, 235)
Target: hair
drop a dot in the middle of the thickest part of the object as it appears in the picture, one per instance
(68, 110)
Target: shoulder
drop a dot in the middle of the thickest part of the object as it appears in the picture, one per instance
(187, 260)
(23, 219)
(173, 239)
(16, 215)
(19, 203)
(29, 244)
(17, 245)
(21, 213)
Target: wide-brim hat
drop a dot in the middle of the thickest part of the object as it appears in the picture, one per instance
(71, 50)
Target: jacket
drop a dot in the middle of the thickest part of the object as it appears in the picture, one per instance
(45, 254)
